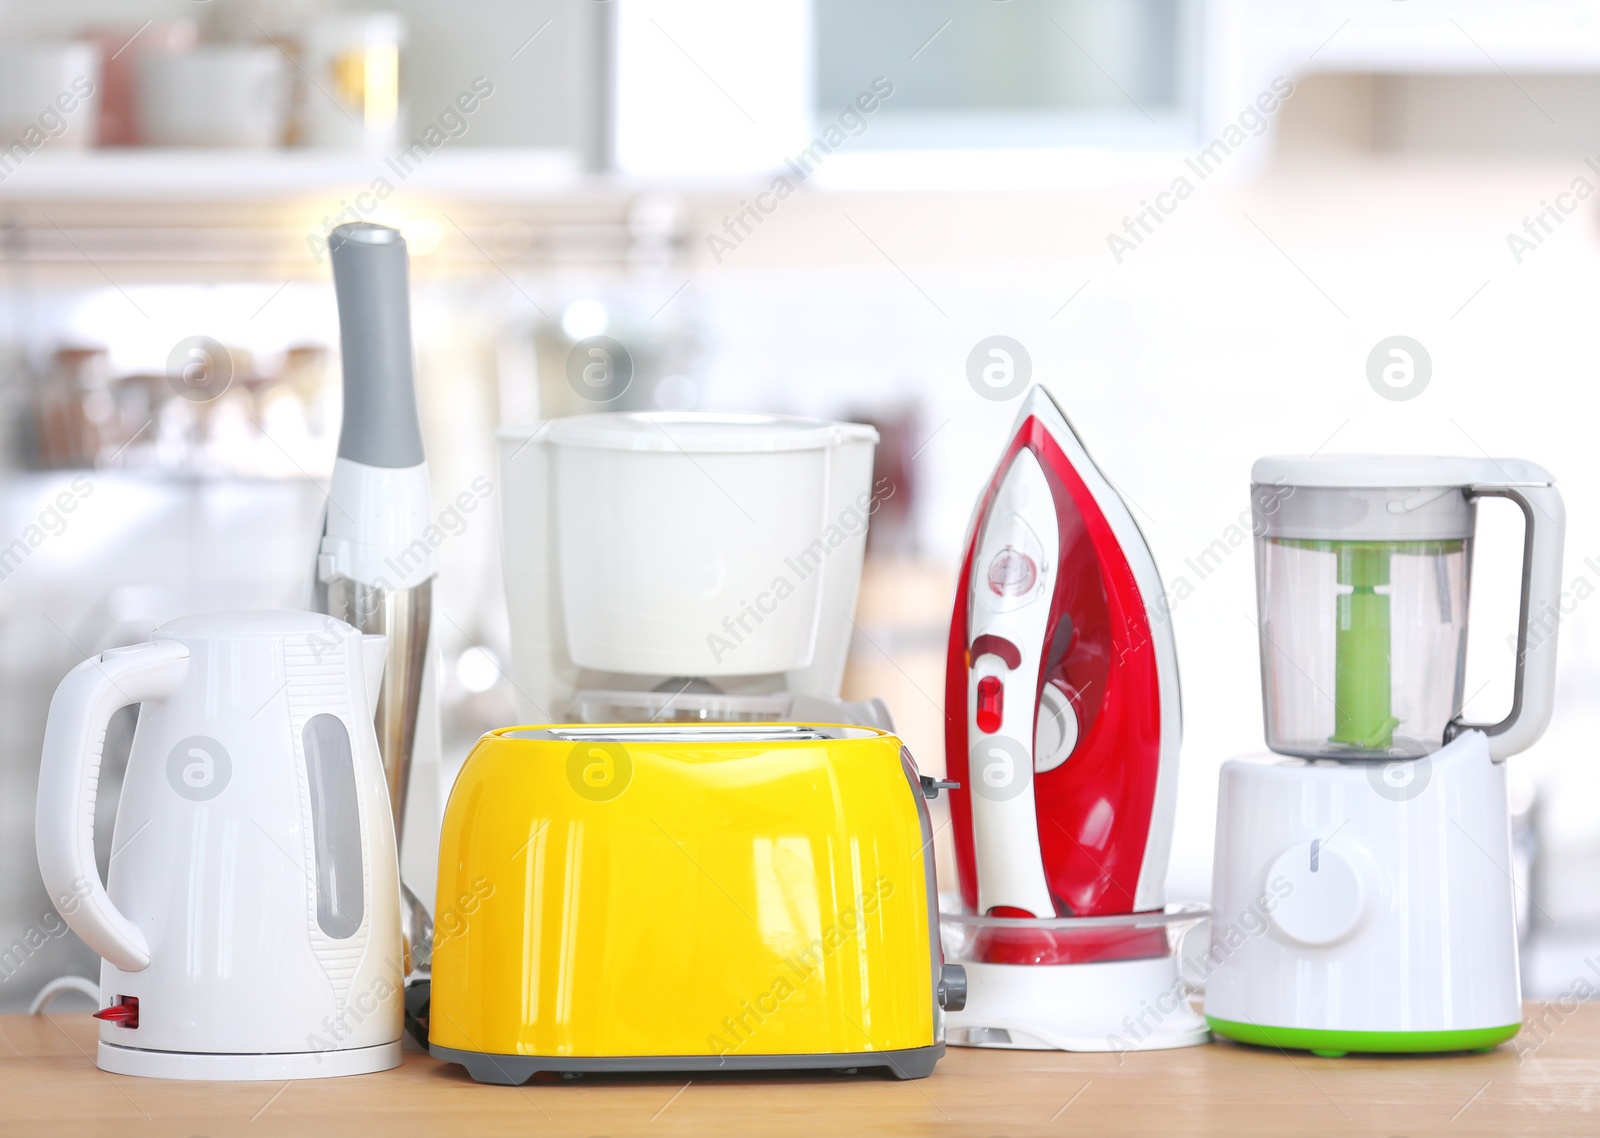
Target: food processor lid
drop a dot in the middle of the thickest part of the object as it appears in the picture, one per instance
(703, 433)
(1377, 471)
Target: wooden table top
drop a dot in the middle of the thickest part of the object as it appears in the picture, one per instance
(1547, 1081)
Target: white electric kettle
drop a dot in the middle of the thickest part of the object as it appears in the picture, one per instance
(250, 922)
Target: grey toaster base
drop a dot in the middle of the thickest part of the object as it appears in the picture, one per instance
(514, 1070)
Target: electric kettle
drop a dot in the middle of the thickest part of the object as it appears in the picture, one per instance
(249, 923)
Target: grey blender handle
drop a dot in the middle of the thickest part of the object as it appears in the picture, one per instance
(371, 282)
(1533, 692)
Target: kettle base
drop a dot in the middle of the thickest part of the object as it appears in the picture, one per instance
(242, 1068)
(514, 1070)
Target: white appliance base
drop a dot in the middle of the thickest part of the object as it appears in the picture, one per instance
(230, 1068)
(1119, 1005)
(1365, 897)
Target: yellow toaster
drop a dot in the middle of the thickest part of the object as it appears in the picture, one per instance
(666, 897)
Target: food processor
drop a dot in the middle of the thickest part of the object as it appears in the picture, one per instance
(1362, 890)
(685, 567)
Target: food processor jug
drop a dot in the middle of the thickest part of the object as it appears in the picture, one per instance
(1362, 576)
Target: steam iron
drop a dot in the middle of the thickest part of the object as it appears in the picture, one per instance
(1062, 727)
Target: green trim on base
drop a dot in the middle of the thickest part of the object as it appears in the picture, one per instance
(1336, 1043)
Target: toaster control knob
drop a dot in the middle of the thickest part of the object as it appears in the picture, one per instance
(952, 987)
(1322, 894)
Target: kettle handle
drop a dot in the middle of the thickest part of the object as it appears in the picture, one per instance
(1534, 689)
(69, 775)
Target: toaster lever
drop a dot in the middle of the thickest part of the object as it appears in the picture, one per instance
(952, 987)
(418, 1005)
(932, 786)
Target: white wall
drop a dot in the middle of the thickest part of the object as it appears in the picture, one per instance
(1210, 346)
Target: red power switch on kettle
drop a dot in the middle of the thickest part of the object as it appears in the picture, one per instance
(125, 1011)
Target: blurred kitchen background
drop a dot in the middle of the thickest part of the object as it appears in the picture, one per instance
(1198, 218)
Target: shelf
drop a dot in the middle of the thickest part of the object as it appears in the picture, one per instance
(222, 175)
(149, 215)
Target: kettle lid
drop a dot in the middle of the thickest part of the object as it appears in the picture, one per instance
(238, 623)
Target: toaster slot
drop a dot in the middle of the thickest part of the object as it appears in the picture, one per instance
(696, 733)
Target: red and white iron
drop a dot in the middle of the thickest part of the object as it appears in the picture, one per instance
(1062, 726)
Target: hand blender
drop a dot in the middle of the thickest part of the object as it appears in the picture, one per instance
(1362, 895)
(374, 568)
(1062, 726)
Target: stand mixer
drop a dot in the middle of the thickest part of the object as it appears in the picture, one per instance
(1379, 846)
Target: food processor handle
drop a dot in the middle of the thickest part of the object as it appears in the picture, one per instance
(1533, 693)
(69, 774)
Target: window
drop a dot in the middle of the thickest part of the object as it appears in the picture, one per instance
(1012, 73)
